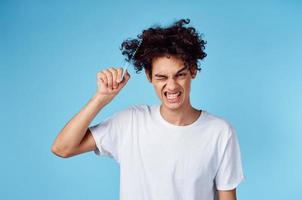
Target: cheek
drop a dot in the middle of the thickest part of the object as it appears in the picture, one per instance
(158, 88)
(186, 85)
(183, 83)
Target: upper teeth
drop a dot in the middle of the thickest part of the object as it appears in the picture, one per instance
(172, 95)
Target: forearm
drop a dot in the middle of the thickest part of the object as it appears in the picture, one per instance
(73, 132)
(227, 194)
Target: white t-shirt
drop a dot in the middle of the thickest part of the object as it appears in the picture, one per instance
(162, 161)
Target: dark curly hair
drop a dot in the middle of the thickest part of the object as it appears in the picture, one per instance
(176, 40)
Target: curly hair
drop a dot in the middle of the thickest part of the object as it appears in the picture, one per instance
(176, 40)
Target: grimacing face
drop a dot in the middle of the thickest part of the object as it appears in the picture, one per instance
(171, 79)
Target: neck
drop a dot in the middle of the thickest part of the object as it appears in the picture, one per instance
(180, 117)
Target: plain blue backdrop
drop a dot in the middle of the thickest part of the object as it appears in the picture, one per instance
(50, 52)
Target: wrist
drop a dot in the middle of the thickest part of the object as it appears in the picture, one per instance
(102, 99)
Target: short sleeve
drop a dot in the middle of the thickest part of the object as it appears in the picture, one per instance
(230, 172)
(109, 134)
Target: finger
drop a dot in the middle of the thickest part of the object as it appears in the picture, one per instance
(126, 78)
(119, 75)
(127, 75)
(102, 77)
(114, 77)
(109, 78)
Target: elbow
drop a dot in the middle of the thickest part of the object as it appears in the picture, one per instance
(60, 152)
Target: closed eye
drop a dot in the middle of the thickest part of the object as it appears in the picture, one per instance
(181, 74)
(159, 77)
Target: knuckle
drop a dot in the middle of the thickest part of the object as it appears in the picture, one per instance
(111, 69)
(107, 73)
(119, 70)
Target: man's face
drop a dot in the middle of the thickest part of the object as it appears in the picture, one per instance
(171, 79)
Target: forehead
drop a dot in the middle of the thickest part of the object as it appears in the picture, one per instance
(167, 64)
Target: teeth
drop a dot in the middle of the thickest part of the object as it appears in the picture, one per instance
(172, 95)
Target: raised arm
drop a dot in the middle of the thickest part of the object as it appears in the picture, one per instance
(75, 137)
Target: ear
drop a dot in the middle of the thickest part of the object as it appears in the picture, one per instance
(193, 72)
(147, 72)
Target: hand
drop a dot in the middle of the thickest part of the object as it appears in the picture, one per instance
(110, 82)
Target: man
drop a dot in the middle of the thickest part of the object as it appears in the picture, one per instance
(167, 152)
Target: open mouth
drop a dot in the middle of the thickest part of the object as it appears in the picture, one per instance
(172, 97)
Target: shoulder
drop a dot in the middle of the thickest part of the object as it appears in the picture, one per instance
(221, 126)
(223, 130)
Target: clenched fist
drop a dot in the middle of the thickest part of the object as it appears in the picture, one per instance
(110, 81)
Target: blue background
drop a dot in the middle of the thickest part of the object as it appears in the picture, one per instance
(50, 52)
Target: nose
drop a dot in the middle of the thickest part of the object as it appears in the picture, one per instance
(171, 84)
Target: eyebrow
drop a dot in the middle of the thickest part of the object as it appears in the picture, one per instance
(179, 71)
(182, 69)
